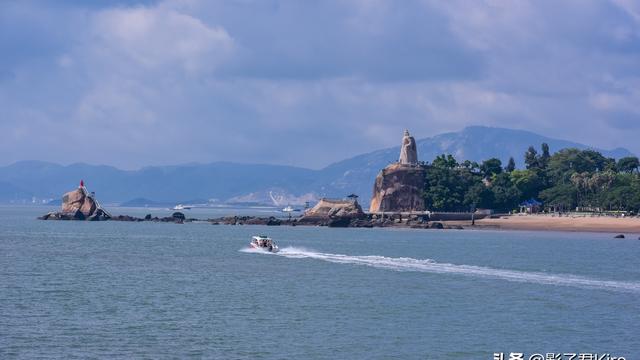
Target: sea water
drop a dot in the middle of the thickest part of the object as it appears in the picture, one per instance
(156, 290)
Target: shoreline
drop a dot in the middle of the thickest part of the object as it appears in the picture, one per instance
(601, 224)
(626, 226)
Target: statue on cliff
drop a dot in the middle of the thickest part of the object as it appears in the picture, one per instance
(408, 152)
(399, 186)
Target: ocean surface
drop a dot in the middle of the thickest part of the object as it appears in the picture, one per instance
(155, 290)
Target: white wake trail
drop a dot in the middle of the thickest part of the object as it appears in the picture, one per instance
(431, 266)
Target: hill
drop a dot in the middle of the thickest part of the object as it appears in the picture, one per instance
(475, 143)
(260, 183)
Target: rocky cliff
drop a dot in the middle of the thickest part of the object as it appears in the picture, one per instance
(79, 204)
(398, 188)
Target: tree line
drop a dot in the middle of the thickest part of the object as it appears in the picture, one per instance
(566, 180)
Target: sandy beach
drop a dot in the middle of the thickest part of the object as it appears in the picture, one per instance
(629, 226)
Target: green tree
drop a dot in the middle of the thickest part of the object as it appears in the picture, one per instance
(545, 157)
(447, 183)
(445, 162)
(491, 167)
(531, 158)
(567, 179)
(506, 195)
(628, 164)
(511, 165)
(472, 166)
(443, 189)
(479, 196)
(561, 196)
(590, 161)
(528, 182)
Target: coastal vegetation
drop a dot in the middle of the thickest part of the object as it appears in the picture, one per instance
(566, 180)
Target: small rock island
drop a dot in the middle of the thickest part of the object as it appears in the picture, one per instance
(79, 204)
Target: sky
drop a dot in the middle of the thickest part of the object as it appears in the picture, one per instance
(304, 82)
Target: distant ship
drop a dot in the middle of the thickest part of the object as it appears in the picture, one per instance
(182, 207)
(289, 209)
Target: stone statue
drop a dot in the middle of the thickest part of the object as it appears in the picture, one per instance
(408, 152)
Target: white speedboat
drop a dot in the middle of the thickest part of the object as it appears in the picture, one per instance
(265, 243)
(181, 207)
(289, 208)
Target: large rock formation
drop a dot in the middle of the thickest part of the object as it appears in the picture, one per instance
(77, 200)
(79, 204)
(330, 208)
(333, 213)
(399, 186)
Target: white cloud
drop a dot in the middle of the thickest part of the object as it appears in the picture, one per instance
(630, 6)
(160, 37)
(329, 79)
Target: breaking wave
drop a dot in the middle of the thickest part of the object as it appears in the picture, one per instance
(431, 266)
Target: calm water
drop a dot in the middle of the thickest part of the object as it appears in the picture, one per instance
(145, 290)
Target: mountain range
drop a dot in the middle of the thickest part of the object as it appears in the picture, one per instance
(259, 183)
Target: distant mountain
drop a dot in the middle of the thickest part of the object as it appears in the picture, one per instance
(163, 184)
(259, 183)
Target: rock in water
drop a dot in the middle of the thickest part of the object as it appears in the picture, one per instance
(77, 200)
(330, 208)
(79, 204)
(333, 212)
(619, 236)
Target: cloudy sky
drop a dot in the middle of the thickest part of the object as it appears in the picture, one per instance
(302, 82)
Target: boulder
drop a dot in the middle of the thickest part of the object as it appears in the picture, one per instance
(78, 215)
(98, 215)
(330, 208)
(178, 215)
(46, 216)
(339, 222)
(73, 200)
(124, 218)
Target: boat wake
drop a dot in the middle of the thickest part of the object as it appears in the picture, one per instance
(252, 250)
(431, 266)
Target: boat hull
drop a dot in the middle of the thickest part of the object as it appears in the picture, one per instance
(274, 249)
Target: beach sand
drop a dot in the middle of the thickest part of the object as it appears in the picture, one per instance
(546, 222)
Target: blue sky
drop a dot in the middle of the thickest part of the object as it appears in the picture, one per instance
(306, 83)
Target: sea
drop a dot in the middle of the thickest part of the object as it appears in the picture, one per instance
(121, 290)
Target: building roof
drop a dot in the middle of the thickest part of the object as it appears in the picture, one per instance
(531, 202)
